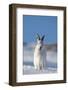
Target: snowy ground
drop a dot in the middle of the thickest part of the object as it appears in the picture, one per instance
(51, 62)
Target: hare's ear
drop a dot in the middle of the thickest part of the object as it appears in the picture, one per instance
(38, 37)
(42, 37)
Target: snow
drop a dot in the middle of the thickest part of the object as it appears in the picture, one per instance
(51, 62)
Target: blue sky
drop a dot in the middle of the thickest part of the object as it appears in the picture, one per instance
(43, 25)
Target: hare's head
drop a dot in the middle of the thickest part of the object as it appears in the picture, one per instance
(40, 41)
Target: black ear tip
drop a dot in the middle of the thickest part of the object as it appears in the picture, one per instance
(43, 37)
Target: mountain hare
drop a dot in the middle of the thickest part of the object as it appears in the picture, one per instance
(39, 54)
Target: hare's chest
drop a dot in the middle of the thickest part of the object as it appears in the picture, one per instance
(38, 54)
(37, 58)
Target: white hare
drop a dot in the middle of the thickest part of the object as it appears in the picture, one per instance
(38, 53)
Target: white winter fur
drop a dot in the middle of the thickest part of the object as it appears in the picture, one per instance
(38, 55)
